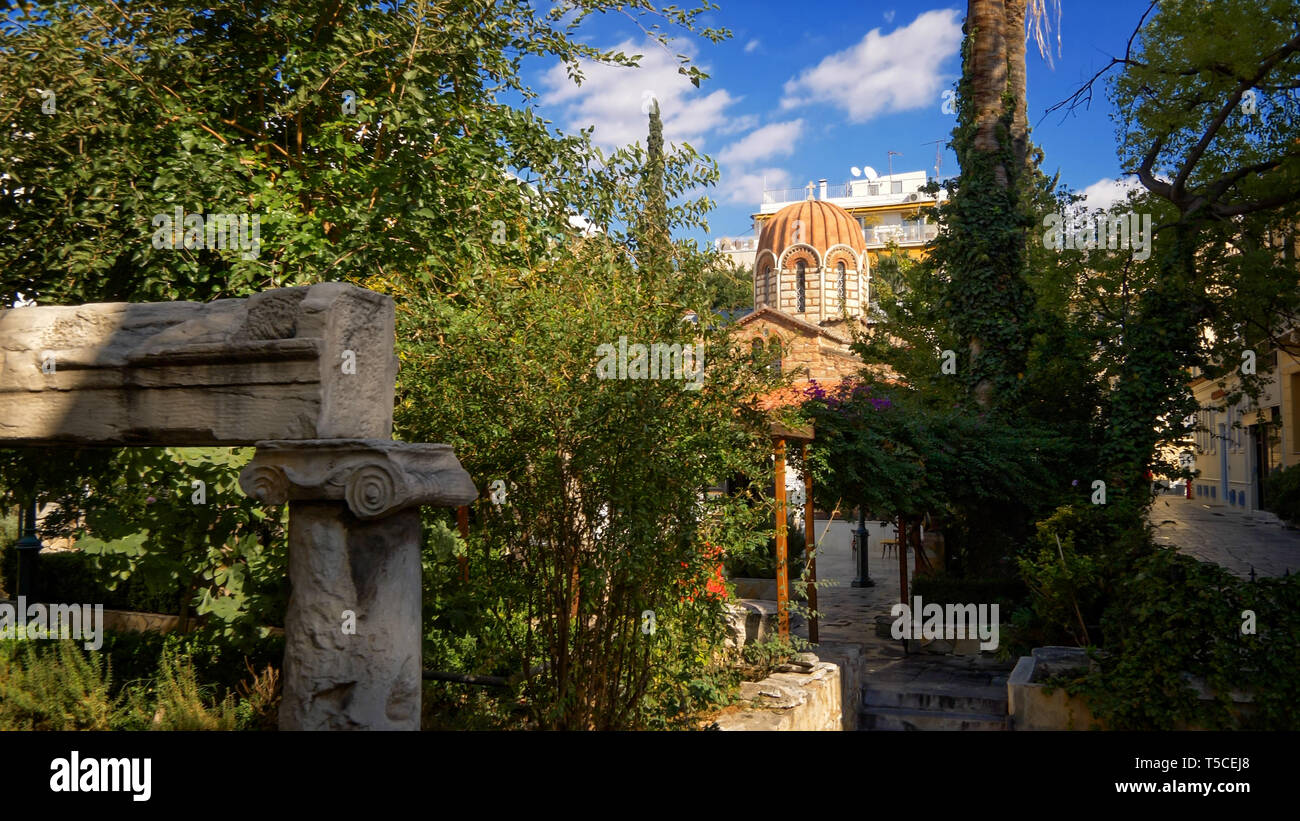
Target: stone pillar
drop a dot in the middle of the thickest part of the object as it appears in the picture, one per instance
(352, 658)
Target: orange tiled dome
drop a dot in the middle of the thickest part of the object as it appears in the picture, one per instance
(819, 224)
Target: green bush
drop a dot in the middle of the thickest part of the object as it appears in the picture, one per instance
(56, 687)
(70, 576)
(1174, 618)
(943, 588)
(171, 686)
(1282, 493)
(759, 562)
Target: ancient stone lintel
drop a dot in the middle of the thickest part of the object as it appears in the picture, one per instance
(309, 362)
(375, 477)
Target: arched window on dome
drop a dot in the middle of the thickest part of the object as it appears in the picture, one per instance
(800, 284)
(843, 283)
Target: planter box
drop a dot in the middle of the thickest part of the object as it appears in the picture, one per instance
(1032, 708)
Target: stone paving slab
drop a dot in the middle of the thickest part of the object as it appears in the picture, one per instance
(849, 619)
(1234, 539)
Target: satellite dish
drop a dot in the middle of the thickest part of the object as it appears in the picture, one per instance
(857, 172)
(870, 173)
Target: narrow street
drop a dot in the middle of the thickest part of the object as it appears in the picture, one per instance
(1233, 539)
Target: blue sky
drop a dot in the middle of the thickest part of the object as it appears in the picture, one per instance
(807, 90)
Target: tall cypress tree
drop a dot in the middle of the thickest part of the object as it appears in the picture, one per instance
(654, 248)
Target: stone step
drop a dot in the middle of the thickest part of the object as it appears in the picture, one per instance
(947, 698)
(898, 718)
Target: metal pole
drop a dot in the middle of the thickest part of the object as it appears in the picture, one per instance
(864, 578)
(809, 541)
(28, 547)
(782, 573)
(903, 538)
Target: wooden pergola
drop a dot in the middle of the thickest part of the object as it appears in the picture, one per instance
(782, 437)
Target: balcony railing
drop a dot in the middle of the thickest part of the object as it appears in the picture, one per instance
(785, 195)
(736, 243)
(913, 232)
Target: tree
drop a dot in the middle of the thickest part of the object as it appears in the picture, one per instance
(654, 246)
(1211, 130)
(375, 144)
(982, 254)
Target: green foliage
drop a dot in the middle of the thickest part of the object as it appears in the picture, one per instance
(1282, 493)
(981, 478)
(139, 681)
(1065, 577)
(1227, 181)
(177, 702)
(227, 108)
(758, 561)
(72, 576)
(445, 193)
(57, 688)
(218, 661)
(146, 539)
(1174, 622)
(762, 657)
(729, 288)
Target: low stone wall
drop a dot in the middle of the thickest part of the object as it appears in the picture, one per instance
(131, 621)
(847, 656)
(808, 700)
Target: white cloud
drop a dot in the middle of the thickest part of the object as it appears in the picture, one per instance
(746, 187)
(882, 72)
(751, 46)
(1105, 192)
(773, 140)
(611, 98)
(889, 16)
(736, 124)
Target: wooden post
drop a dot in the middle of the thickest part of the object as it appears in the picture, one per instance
(917, 559)
(809, 541)
(782, 574)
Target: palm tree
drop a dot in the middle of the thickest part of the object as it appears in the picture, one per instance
(995, 155)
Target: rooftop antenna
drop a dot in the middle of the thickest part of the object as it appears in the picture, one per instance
(892, 155)
(938, 160)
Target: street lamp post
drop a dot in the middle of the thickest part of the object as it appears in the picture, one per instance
(28, 547)
(863, 579)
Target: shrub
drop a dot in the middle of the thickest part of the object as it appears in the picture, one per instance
(54, 686)
(1175, 619)
(759, 561)
(59, 686)
(1282, 493)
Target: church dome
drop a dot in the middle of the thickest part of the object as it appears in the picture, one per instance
(817, 223)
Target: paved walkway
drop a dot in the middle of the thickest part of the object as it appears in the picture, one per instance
(848, 622)
(1234, 539)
